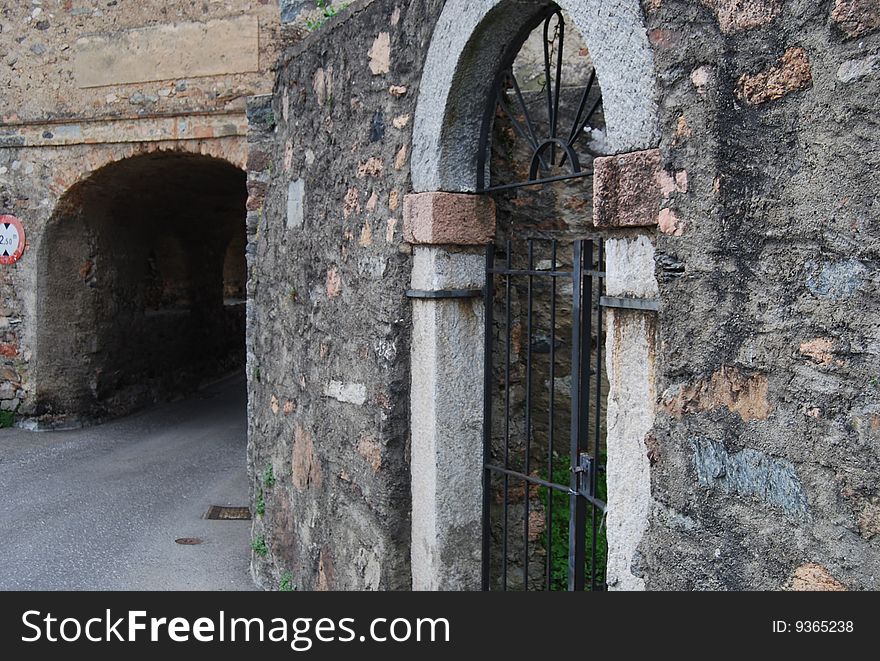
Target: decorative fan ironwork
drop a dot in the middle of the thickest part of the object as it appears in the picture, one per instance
(552, 149)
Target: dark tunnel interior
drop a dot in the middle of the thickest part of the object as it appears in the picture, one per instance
(142, 285)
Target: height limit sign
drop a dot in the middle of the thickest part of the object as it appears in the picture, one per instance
(11, 240)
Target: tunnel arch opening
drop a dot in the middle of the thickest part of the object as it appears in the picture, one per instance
(133, 275)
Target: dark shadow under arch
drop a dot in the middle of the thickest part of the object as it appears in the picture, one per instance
(131, 285)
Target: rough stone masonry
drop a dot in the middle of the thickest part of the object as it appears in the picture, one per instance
(757, 466)
(151, 94)
(763, 451)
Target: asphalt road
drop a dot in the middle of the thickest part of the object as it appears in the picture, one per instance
(100, 508)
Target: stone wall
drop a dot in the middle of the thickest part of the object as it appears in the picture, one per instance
(760, 458)
(758, 463)
(329, 333)
(89, 83)
(766, 440)
(64, 59)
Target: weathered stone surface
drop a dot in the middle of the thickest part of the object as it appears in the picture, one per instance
(820, 350)
(630, 267)
(741, 392)
(750, 473)
(290, 9)
(322, 84)
(630, 364)
(735, 15)
(7, 374)
(793, 73)
(257, 160)
(56, 134)
(853, 70)
(48, 86)
(7, 391)
(348, 393)
(766, 244)
(161, 131)
(835, 280)
(445, 153)
(626, 190)
(856, 17)
(669, 223)
(371, 451)
(446, 414)
(167, 52)
(700, 78)
(813, 577)
(326, 331)
(256, 195)
(448, 218)
(334, 282)
(295, 200)
(325, 571)
(380, 54)
(306, 465)
(372, 167)
(869, 519)
(672, 182)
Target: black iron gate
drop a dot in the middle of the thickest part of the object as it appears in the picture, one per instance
(544, 481)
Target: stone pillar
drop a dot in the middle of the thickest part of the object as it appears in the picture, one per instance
(447, 231)
(630, 357)
(628, 194)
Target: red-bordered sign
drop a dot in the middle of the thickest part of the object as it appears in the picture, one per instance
(12, 240)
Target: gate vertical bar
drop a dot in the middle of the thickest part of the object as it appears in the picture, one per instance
(528, 420)
(488, 380)
(586, 341)
(579, 440)
(576, 508)
(551, 416)
(599, 280)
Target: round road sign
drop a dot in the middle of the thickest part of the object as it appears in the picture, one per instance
(12, 240)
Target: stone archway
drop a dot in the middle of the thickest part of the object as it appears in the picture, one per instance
(130, 297)
(468, 42)
(447, 223)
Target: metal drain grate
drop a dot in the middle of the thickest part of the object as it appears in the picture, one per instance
(222, 513)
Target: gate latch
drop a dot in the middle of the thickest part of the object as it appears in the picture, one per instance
(584, 472)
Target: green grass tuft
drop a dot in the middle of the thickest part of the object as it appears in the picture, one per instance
(328, 11)
(259, 546)
(286, 584)
(269, 477)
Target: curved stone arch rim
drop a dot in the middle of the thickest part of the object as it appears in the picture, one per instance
(208, 149)
(449, 116)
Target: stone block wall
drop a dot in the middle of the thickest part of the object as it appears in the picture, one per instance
(63, 59)
(330, 321)
(761, 462)
(75, 99)
(764, 445)
(765, 448)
